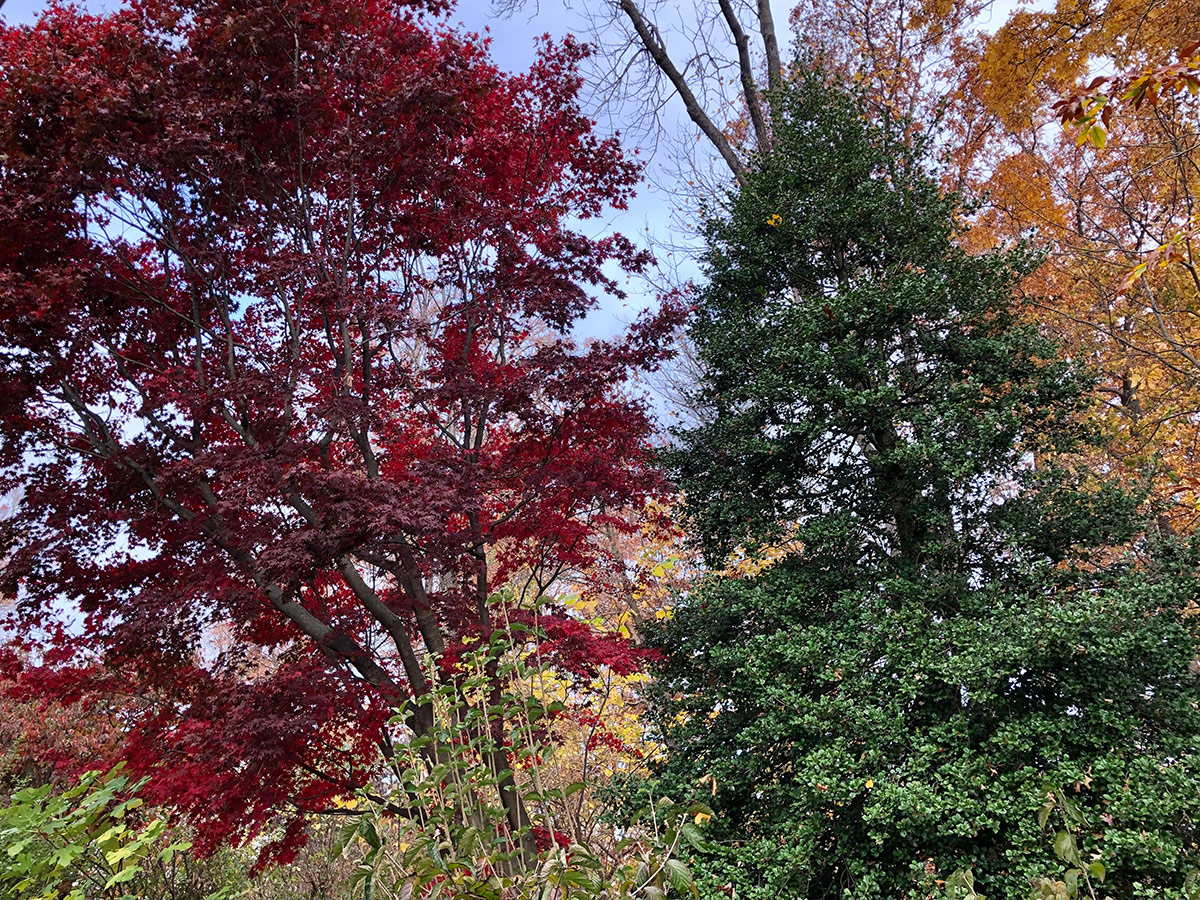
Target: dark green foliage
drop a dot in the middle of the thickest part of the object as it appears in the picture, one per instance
(856, 358)
(967, 623)
(861, 733)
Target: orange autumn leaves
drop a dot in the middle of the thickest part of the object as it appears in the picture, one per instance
(1119, 286)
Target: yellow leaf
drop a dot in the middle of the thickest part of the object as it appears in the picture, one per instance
(701, 818)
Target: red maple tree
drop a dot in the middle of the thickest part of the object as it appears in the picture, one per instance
(287, 294)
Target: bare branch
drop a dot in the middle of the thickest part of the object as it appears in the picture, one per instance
(766, 26)
(650, 39)
(746, 71)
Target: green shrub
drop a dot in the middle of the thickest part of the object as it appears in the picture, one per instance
(87, 841)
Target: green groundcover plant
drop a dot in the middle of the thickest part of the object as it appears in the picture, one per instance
(442, 832)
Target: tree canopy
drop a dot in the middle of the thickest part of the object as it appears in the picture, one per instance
(329, 518)
(968, 623)
(287, 293)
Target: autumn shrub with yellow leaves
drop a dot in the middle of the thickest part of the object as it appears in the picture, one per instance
(442, 830)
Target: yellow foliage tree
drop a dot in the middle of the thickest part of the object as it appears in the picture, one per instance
(1113, 200)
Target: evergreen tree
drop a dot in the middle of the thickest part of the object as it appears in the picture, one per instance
(968, 630)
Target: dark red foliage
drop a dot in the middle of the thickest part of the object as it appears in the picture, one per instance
(574, 647)
(286, 370)
(547, 839)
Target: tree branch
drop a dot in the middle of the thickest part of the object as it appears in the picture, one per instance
(647, 33)
(766, 26)
(746, 71)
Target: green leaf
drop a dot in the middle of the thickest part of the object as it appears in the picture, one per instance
(1074, 815)
(1044, 812)
(679, 875)
(367, 830)
(348, 832)
(1071, 879)
(695, 838)
(116, 857)
(64, 856)
(168, 852)
(573, 788)
(1065, 848)
(111, 834)
(1191, 885)
(127, 874)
